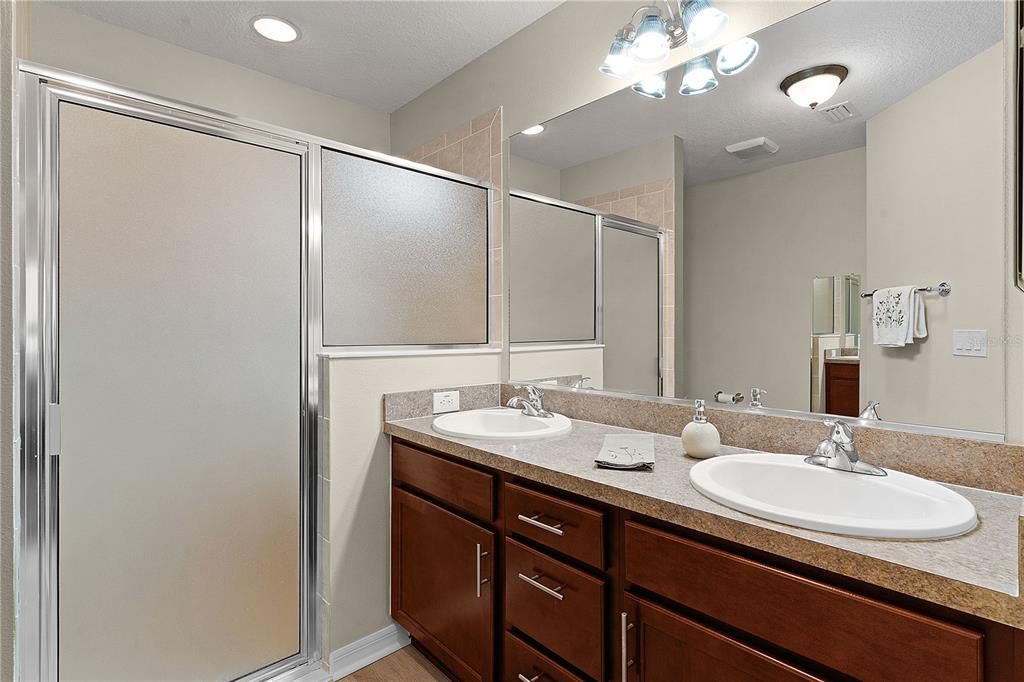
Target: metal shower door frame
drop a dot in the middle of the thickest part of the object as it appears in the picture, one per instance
(37, 407)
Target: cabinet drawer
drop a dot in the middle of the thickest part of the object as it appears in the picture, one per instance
(850, 633)
(564, 526)
(560, 607)
(459, 486)
(523, 663)
(662, 646)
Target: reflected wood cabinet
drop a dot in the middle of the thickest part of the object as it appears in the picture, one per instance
(500, 578)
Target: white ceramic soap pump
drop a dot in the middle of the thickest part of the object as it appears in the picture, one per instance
(700, 437)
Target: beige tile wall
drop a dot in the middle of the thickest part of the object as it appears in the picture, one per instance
(651, 203)
(474, 149)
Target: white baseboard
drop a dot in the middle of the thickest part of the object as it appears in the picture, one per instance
(367, 650)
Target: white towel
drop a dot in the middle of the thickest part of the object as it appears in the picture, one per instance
(898, 316)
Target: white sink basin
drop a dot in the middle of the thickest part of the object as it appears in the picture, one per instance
(500, 423)
(786, 489)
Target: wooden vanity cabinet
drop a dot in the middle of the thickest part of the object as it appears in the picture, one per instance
(491, 595)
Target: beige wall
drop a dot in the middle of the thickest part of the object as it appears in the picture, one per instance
(935, 213)
(752, 246)
(358, 470)
(649, 163)
(557, 362)
(550, 67)
(67, 40)
(530, 176)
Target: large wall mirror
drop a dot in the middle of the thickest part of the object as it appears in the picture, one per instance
(849, 257)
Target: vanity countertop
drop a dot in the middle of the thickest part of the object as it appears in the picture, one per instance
(975, 573)
(844, 359)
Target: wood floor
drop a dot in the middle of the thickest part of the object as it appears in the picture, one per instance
(405, 665)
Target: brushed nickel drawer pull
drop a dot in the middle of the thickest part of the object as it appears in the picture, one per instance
(626, 627)
(524, 678)
(552, 591)
(479, 581)
(532, 520)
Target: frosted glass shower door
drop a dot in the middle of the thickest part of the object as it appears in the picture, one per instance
(179, 374)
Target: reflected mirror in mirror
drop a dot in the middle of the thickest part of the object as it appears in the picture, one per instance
(700, 221)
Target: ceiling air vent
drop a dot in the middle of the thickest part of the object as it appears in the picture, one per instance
(754, 148)
(837, 113)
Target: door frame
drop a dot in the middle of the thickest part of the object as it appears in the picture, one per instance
(37, 411)
(647, 230)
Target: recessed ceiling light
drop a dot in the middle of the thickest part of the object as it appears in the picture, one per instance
(534, 130)
(276, 29)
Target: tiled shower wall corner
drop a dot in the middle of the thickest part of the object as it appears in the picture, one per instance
(651, 203)
(474, 149)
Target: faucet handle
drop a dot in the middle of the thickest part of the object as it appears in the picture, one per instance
(841, 434)
(534, 392)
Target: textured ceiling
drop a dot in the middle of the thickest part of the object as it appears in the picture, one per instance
(379, 54)
(891, 48)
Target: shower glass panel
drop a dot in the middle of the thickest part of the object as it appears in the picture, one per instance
(553, 270)
(631, 265)
(404, 255)
(179, 374)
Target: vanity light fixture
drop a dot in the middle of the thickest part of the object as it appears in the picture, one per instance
(736, 56)
(534, 130)
(276, 29)
(698, 77)
(652, 86)
(814, 86)
(639, 47)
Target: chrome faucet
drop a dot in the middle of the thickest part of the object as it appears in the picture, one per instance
(870, 411)
(755, 396)
(580, 383)
(533, 404)
(839, 452)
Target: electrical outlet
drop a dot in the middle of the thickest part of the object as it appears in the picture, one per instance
(446, 401)
(970, 342)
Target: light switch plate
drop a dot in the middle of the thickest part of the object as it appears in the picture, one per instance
(970, 342)
(446, 401)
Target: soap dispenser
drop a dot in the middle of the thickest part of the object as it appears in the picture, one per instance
(700, 437)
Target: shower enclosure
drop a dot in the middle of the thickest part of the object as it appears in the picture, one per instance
(168, 399)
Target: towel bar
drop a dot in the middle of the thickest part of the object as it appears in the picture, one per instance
(944, 289)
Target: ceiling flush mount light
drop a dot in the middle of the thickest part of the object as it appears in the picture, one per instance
(736, 56)
(702, 21)
(814, 86)
(650, 45)
(276, 29)
(698, 77)
(534, 130)
(652, 86)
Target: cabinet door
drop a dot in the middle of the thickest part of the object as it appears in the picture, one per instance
(441, 588)
(662, 646)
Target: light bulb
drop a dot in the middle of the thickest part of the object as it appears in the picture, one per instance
(652, 86)
(736, 56)
(698, 77)
(702, 21)
(650, 45)
(534, 130)
(276, 29)
(617, 64)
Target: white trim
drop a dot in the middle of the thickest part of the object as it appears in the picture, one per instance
(367, 650)
(544, 347)
(409, 352)
(307, 672)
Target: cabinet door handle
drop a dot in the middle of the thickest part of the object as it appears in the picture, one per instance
(479, 580)
(524, 678)
(626, 627)
(552, 591)
(532, 520)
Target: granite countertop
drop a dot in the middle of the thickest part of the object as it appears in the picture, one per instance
(975, 573)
